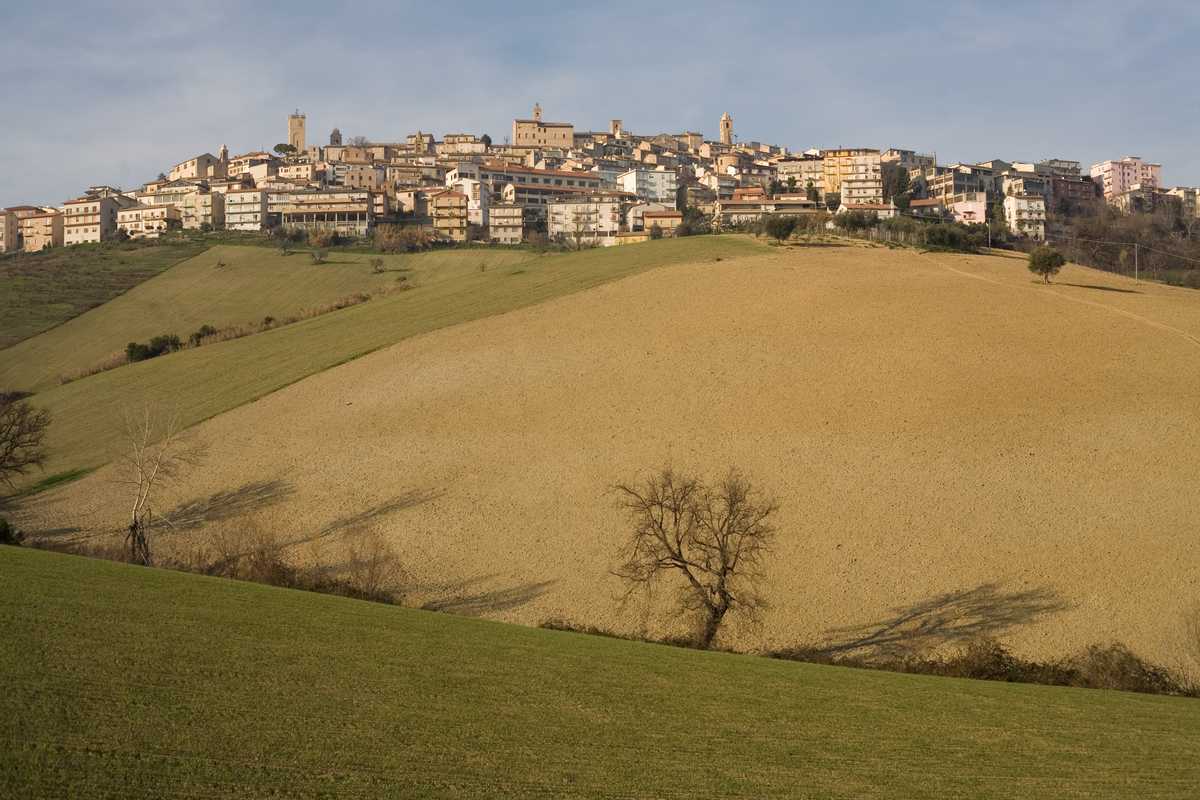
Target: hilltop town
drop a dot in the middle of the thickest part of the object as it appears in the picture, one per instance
(549, 180)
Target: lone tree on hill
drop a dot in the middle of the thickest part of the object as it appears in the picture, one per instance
(714, 538)
(157, 453)
(22, 429)
(284, 149)
(1046, 261)
(779, 227)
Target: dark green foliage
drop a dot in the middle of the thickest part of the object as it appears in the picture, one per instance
(694, 223)
(9, 534)
(856, 220)
(779, 226)
(202, 332)
(159, 345)
(656, 231)
(1046, 261)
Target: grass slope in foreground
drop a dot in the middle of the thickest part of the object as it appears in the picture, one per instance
(41, 290)
(203, 382)
(225, 285)
(132, 682)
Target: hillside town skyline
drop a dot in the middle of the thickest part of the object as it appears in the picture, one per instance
(548, 178)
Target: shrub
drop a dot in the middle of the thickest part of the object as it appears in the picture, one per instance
(1045, 261)
(323, 237)
(318, 256)
(656, 231)
(779, 227)
(201, 333)
(9, 534)
(402, 239)
(159, 345)
(376, 265)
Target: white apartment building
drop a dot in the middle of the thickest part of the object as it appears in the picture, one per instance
(346, 211)
(506, 223)
(478, 199)
(590, 219)
(245, 209)
(651, 186)
(1118, 177)
(1026, 215)
(865, 190)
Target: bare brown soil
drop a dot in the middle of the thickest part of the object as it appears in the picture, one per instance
(958, 450)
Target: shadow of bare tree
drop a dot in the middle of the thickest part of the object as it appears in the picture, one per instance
(352, 522)
(458, 599)
(986, 610)
(231, 503)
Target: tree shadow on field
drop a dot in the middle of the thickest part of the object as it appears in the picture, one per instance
(985, 611)
(464, 598)
(351, 522)
(1099, 288)
(229, 503)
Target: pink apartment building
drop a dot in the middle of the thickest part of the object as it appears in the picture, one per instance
(1117, 177)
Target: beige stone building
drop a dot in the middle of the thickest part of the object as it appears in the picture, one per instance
(537, 133)
(506, 223)
(296, 124)
(198, 168)
(199, 207)
(245, 210)
(346, 211)
(726, 129)
(91, 219)
(41, 231)
(146, 221)
(304, 171)
(449, 211)
(667, 221)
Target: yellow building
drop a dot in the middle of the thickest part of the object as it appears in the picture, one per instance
(41, 231)
(148, 221)
(506, 223)
(449, 211)
(534, 132)
(9, 240)
(859, 165)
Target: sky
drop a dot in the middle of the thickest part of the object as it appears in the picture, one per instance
(117, 92)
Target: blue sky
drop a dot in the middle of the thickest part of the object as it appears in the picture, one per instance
(97, 92)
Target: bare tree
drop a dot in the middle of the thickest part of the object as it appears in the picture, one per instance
(579, 229)
(157, 454)
(22, 430)
(713, 537)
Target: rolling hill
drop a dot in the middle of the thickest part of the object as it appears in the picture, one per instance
(130, 682)
(200, 383)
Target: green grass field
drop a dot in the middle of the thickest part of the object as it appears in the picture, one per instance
(41, 290)
(202, 382)
(254, 282)
(130, 682)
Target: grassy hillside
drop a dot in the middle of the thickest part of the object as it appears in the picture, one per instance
(130, 682)
(41, 290)
(226, 285)
(206, 381)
